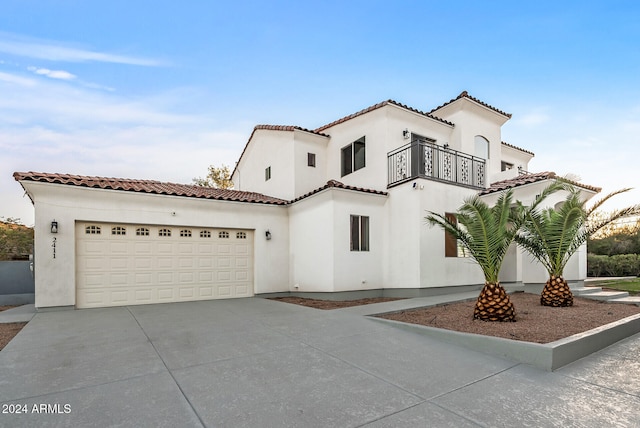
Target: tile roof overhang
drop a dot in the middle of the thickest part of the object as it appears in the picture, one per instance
(517, 148)
(173, 189)
(376, 107)
(465, 94)
(530, 178)
(149, 186)
(338, 185)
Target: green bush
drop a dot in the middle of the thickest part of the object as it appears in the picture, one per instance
(617, 265)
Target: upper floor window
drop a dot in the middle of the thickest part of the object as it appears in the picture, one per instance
(505, 166)
(415, 138)
(353, 157)
(482, 147)
(267, 173)
(359, 233)
(311, 159)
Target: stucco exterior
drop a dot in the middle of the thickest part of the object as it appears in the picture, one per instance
(289, 181)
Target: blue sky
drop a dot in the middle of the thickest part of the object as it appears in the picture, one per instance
(162, 89)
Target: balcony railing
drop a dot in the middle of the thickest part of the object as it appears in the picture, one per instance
(427, 160)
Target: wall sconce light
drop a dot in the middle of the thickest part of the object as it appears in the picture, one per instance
(446, 146)
(54, 226)
(406, 134)
(268, 235)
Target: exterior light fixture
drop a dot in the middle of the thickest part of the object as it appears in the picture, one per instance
(406, 134)
(268, 235)
(54, 226)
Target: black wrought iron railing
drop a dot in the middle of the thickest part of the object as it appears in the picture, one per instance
(428, 160)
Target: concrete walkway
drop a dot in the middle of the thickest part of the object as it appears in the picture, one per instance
(260, 363)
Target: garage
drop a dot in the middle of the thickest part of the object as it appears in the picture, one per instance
(130, 264)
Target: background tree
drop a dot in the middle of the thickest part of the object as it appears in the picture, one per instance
(16, 240)
(552, 236)
(218, 177)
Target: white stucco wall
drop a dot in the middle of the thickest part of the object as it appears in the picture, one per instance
(55, 278)
(268, 148)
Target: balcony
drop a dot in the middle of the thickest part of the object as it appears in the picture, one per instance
(421, 159)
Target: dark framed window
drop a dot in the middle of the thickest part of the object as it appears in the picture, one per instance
(267, 173)
(353, 157)
(311, 159)
(452, 247)
(359, 233)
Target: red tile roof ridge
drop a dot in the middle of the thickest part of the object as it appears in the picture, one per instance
(517, 148)
(465, 94)
(149, 186)
(528, 178)
(377, 106)
(288, 128)
(339, 185)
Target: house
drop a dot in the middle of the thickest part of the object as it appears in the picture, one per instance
(337, 209)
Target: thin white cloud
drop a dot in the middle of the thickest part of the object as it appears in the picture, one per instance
(58, 51)
(54, 74)
(12, 78)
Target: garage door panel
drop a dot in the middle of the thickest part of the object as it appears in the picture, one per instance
(140, 264)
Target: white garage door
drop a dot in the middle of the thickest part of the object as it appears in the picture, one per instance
(125, 264)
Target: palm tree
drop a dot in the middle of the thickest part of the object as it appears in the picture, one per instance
(552, 236)
(486, 232)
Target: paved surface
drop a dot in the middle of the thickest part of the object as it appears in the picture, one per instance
(260, 363)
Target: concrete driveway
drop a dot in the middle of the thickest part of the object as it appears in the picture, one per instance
(260, 363)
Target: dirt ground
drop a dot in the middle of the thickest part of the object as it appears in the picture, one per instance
(9, 330)
(535, 323)
(332, 304)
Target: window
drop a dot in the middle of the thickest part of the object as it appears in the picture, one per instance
(359, 233)
(415, 138)
(311, 159)
(92, 230)
(505, 166)
(164, 232)
(241, 235)
(185, 233)
(267, 173)
(482, 147)
(223, 235)
(205, 234)
(353, 157)
(452, 247)
(142, 231)
(118, 230)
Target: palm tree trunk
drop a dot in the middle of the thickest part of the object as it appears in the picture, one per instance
(556, 292)
(494, 304)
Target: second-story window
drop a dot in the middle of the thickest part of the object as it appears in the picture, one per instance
(311, 159)
(353, 157)
(267, 173)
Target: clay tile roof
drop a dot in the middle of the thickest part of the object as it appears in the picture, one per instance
(529, 178)
(287, 128)
(339, 185)
(149, 186)
(377, 106)
(518, 148)
(465, 94)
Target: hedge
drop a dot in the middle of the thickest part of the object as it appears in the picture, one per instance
(618, 265)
